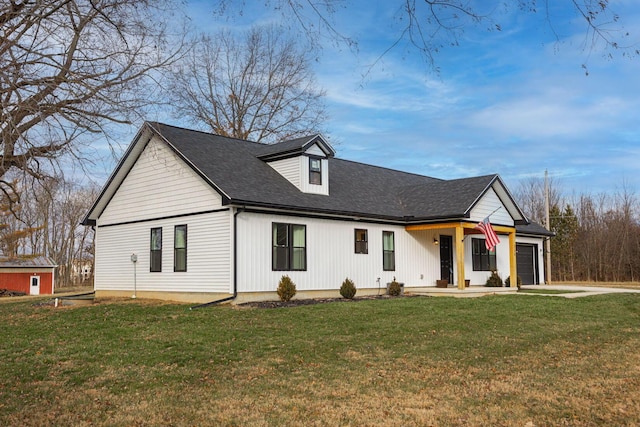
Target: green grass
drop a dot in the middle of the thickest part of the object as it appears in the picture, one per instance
(499, 360)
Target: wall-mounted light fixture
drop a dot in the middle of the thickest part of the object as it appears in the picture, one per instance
(435, 241)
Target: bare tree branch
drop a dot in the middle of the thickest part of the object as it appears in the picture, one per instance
(428, 26)
(75, 64)
(261, 88)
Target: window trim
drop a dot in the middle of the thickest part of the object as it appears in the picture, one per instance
(392, 251)
(153, 251)
(289, 247)
(481, 258)
(358, 249)
(315, 171)
(176, 249)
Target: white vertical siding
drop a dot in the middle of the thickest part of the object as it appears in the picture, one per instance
(208, 255)
(502, 259)
(158, 185)
(331, 257)
(307, 187)
(487, 205)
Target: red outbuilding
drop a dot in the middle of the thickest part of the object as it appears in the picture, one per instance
(32, 276)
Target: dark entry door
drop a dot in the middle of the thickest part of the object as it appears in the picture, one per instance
(446, 258)
(527, 263)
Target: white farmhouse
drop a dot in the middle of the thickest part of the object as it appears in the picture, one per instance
(210, 218)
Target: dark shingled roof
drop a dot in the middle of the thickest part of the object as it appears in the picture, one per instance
(354, 188)
(293, 146)
(534, 229)
(238, 171)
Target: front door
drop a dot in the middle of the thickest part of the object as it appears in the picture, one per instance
(446, 258)
(35, 285)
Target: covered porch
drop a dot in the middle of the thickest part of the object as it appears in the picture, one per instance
(459, 231)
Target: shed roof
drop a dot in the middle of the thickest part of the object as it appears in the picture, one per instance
(30, 262)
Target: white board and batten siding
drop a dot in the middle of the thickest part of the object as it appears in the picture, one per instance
(162, 191)
(487, 205)
(296, 171)
(331, 256)
(502, 260)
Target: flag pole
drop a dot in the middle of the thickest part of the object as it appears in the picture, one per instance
(496, 210)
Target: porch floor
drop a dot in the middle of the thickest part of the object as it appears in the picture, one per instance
(453, 291)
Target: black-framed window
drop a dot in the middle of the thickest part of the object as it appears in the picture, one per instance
(388, 251)
(180, 248)
(315, 170)
(361, 241)
(155, 262)
(482, 258)
(289, 244)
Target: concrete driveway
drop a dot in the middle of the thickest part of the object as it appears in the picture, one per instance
(577, 291)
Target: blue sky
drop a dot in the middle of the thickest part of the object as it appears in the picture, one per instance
(513, 102)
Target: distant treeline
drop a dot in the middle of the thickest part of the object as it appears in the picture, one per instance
(43, 218)
(597, 236)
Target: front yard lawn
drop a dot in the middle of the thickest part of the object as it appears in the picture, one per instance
(496, 360)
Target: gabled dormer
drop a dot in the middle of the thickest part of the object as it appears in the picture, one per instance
(302, 161)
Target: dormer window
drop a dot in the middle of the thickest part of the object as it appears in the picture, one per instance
(315, 171)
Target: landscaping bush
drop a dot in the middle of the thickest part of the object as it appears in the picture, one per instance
(507, 282)
(286, 288)
(494, 281)
(394, 288)
(348, 289)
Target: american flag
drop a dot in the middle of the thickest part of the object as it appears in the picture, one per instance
(491, 238)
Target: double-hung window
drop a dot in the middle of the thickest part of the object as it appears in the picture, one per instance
(289, 247)
(388, 251)
(180, 248)
(361, 241)
(315, 171)
(482, 258)
(155, 262)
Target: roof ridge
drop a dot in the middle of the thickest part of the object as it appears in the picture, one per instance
(206, 133)
(264, 144)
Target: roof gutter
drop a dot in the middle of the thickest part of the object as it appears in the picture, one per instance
(235, 266)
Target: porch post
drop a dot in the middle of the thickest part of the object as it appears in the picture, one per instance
(513, 271)
(460, 256)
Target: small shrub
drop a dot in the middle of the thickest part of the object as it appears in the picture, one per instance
(394, 288)
(507, 282)
(494, 281)
(348, 289)
(286, 288)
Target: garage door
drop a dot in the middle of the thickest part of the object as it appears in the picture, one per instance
(527, 263)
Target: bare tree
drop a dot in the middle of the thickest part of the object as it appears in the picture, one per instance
(530, 197)
(52, 215)
(69, 68)
(429, 26)
(259, 88)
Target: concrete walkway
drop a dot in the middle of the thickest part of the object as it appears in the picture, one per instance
(577, 291)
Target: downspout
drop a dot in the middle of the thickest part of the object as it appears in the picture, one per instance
(235, 267)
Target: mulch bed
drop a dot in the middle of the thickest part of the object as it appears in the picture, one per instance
(313, 301)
